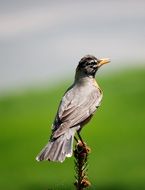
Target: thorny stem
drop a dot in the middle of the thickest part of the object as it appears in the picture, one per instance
(81, 152)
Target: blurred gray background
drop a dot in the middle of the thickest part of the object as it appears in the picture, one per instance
(42, 41)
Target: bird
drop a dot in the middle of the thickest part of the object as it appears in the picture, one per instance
(76, 108)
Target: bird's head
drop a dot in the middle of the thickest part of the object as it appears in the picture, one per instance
(89, 65)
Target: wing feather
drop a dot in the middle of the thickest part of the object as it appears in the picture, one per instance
(75, 108)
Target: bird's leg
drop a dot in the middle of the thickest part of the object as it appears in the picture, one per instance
(80, 138)
(76, 139)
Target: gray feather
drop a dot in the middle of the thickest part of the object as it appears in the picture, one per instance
(58, 149)
(75, 107)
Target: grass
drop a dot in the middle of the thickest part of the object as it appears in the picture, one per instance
(116, 136)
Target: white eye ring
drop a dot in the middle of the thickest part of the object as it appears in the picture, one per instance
(92, 61)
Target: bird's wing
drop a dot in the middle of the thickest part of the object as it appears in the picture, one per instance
(75, 108)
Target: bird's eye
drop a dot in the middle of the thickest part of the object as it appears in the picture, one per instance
(88, 63)
(92, 63)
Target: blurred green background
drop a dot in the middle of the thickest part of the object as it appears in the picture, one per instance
(116, 136)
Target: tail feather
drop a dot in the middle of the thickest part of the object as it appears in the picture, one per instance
(58, 149)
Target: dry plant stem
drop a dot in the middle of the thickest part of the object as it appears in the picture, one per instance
(81, 162)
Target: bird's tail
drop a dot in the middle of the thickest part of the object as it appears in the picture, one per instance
(58, 149)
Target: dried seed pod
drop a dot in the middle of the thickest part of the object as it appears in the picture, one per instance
(81, 152)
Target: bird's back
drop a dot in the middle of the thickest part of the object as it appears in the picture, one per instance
(77, 104)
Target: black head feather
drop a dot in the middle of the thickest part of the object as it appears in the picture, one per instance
(88, 65)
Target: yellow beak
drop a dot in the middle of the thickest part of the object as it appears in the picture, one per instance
(104, 61)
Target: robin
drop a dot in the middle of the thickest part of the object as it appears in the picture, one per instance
(76, 108)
